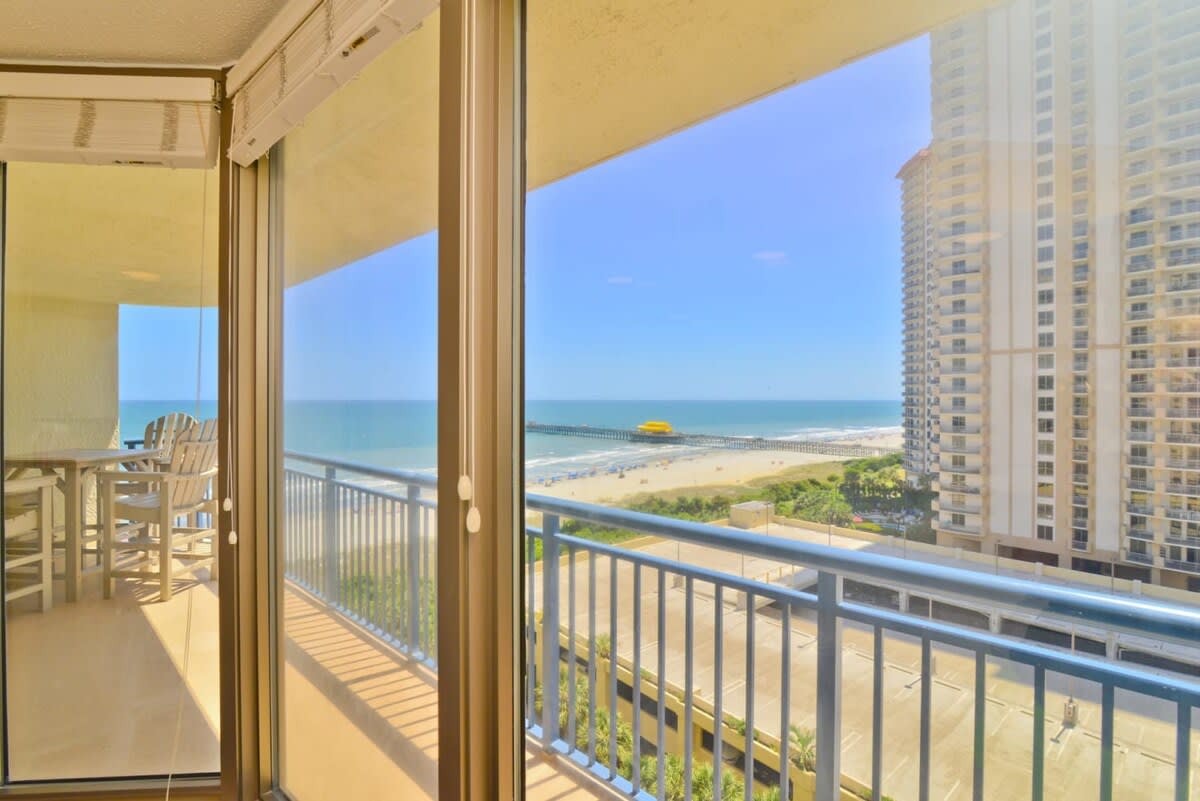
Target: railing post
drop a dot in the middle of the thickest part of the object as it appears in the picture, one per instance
(550, 628)
(829, 688)
(412, 527)
(329, 533)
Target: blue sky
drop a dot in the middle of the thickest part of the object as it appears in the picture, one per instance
(756, 255)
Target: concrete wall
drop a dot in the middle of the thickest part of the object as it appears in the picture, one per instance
(60, 373)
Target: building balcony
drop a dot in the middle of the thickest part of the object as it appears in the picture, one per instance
(1140, 534)
(1140, 411)
(1184, 540)
(1184, 464)
(1179, 513)
(1138, 339)
(1140, 436)
(1183, 565)
(1176, 488)
(1139, 509)
(1181, 438)
(957, 528)
(1186, 387)
(1146, 461)
(1183, 336)
(967, 449)
(1138, 558)
(1185, 414)
(1141, 364)
(1141, 386)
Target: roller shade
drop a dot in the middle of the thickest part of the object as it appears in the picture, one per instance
(89, 119)
(328, 48)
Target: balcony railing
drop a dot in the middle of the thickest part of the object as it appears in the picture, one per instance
(1182, 564)
(1139, 558)
(363, 540)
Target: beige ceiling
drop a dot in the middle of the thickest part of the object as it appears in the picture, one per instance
(210, 33)
(604, 77)
(112, 234)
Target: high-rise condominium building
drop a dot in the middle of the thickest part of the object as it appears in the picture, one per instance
(920, 330)
(1064, 195)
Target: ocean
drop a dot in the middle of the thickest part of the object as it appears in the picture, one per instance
(402, 434)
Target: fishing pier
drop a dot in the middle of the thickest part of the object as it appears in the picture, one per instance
(839, 450)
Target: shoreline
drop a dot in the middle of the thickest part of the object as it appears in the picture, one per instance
(709, 469)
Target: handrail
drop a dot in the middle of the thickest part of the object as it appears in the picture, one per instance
(1138, 615)
(424, 480)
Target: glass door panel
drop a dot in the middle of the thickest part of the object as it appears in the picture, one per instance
(355, 191)
(110, 454)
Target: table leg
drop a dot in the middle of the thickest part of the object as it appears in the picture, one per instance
(73, 520)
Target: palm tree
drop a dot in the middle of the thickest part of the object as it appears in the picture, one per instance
(803, 746)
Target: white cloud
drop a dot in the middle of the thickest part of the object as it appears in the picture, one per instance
(771, 256)
(620, 280)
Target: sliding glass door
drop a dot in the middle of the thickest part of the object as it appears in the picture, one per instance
(110, 459)
(355, 199)
(862, 437)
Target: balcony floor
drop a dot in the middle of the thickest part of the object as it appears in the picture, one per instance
(95, 690)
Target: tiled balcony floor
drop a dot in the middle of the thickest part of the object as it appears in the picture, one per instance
(96, 689)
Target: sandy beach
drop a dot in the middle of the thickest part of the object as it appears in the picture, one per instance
(715, 467)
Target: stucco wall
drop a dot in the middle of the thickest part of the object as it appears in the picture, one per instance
(60, 373)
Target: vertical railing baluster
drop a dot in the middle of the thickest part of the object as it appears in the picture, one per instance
(330, 529)
(405, 582)
(877, 718)
(390, 538)
(357, 565)
(343, 535)
(829, 687)
(689, 678)
(613, 717)
(980, 723)
(550, 628)
(431, 527)
(375, 599)
(531, 640)
(718, 685)
(1183, 751)
(637, 677)
(592, 699)
(412, 512)
(426, 586)
(925, 722)
(748, 784)
(785, 699)
(572, 730)
(661, 733)
(1107, 702)
(1039, 733)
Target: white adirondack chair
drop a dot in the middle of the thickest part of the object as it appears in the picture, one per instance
(154, 519)
(28, 538)
(161, 433)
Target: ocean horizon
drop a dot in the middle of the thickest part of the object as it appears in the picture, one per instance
(402, 434)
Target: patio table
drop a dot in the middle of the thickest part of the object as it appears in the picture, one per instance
(77, 466)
